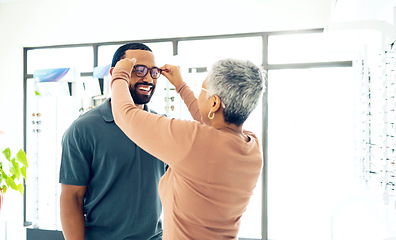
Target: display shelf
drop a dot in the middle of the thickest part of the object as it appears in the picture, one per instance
(378, 130)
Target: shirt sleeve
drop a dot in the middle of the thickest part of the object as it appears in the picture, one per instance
(76, 158)
(170, 140)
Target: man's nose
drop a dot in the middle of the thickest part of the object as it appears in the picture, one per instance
(148, 78)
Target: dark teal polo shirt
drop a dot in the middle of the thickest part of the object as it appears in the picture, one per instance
(121, 201)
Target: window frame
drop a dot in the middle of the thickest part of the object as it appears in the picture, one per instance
(175, 42)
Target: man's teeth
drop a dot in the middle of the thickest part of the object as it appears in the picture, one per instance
(144, 88)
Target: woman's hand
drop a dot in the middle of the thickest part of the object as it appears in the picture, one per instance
(126, 63)
(172, 73)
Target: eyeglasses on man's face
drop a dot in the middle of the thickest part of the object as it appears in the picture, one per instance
(142, 70)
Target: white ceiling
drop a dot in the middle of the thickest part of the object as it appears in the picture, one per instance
(297, 13)
(38, 21)
(241, 15)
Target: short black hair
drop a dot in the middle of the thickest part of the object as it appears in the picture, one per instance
(120, 53)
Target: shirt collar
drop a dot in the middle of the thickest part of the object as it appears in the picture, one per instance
(105, 109)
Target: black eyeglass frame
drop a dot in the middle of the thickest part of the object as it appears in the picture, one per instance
(147, 71)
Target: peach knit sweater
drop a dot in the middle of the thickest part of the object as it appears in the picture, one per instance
(211, 174)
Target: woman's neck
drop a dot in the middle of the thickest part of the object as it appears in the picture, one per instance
(232, 128)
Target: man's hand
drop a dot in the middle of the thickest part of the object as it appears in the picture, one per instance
(172, 73)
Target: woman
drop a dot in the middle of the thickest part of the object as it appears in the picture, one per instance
(213, 163)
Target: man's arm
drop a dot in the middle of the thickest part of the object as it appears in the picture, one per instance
(71, 211)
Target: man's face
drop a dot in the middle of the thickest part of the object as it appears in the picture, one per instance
(141, 88)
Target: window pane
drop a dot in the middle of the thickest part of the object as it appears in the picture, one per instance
(251, 219)
(105, 54)
(197, 56)
(76, 57)
(310, 150)
(47, 119)
(202, 53)
(48, 116)
(316, 47)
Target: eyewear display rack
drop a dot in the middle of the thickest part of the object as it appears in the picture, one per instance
(389, 179)
(378, 129)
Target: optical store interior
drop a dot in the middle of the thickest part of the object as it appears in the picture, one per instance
(326, 121)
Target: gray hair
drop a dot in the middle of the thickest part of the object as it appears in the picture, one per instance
(239, 85)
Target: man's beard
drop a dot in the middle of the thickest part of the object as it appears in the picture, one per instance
(140, 98)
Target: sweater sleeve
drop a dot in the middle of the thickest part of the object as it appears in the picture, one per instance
(169, 140)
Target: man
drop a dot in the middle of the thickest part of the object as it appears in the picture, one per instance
(109, 184)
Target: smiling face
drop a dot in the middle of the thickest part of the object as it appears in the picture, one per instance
(141, 88)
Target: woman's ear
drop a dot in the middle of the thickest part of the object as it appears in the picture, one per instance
(215, 104)
(111, 71)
